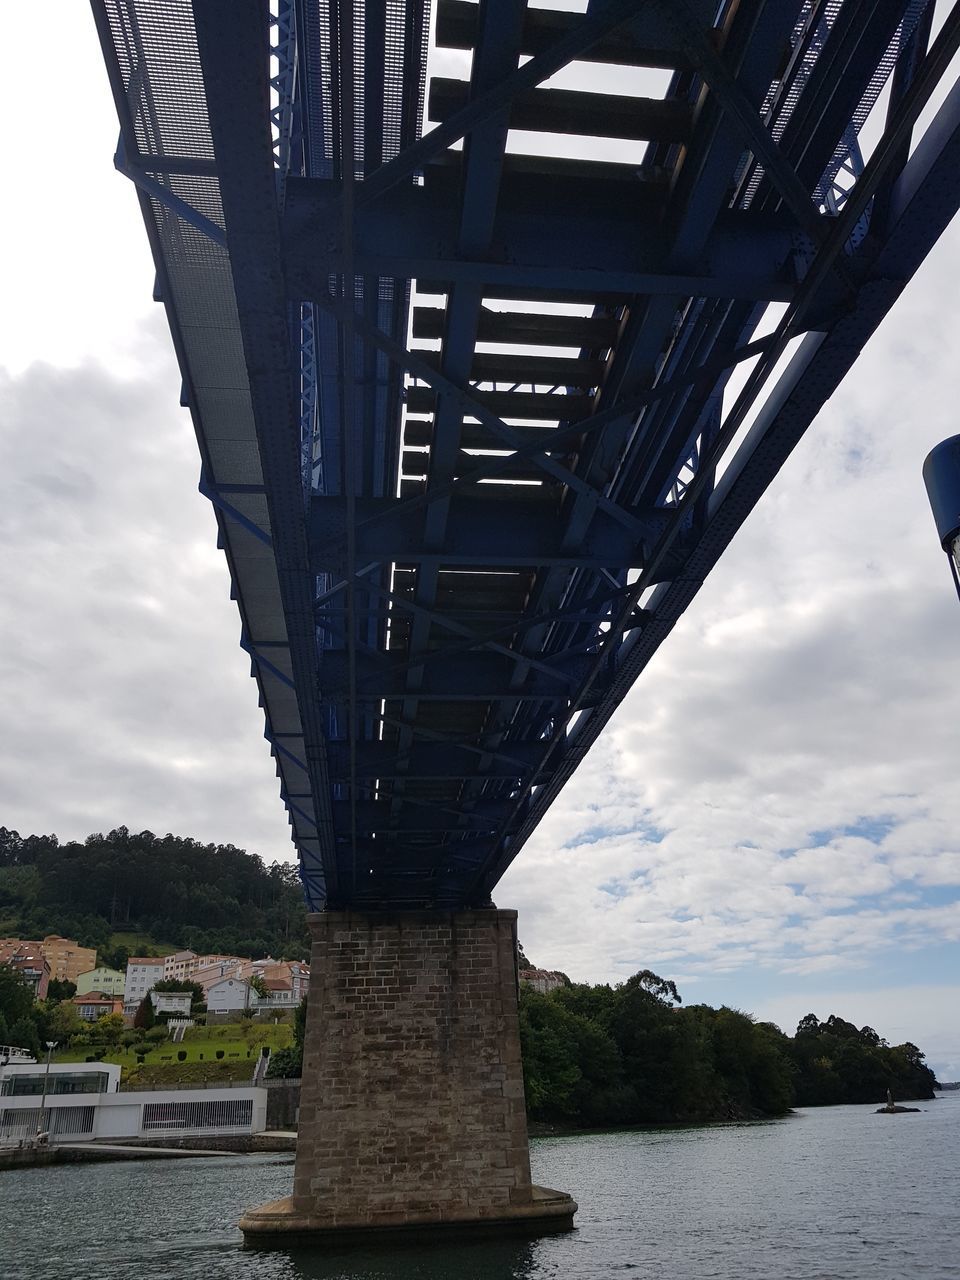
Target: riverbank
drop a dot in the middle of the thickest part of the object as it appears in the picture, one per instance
(540, 1129)
(30, 1157)
(732, 1115)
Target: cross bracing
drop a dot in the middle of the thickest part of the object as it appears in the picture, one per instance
(486, 372)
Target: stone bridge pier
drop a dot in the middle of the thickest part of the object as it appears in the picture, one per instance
(411, 1112)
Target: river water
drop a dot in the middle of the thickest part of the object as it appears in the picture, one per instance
(823, 1194)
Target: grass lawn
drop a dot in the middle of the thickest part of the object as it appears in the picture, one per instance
(239, 1043)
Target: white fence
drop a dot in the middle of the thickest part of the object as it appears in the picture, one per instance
(220, 1115)
(18, 1124)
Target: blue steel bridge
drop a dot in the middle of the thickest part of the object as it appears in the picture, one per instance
(478, 415)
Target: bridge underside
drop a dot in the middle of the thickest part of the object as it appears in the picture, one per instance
(477, 420)
(480, 404)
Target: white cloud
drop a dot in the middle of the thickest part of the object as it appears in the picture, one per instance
(793, 742)
(127, 698)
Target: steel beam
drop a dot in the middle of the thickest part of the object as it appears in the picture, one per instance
(479, 532)
(578, 243)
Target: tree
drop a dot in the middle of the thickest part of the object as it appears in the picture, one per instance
(835, 1061)
(809, 1025)
(300, 1023)
(654, 1044)
(108, 1029)
(16, 995)
(573, 1070)
(58, 990)
(284, 1064)
(289, 1062)
(258, 985)
(145, 1017)
(23, 1034)
(63, 1022)
(215, 897)
(115, 957)
(661, 989)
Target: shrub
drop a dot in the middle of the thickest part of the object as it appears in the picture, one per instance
(181, 1055)
(219, 1053)
(140, 1059)
(285, 1063)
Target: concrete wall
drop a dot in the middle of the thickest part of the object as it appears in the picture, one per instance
(121, 1115)
(411, 1106)
(283, 1103)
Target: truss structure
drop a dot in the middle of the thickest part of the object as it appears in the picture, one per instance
(480, 402)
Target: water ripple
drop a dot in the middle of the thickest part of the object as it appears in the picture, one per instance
(826, 1194)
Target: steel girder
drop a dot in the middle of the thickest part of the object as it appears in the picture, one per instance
(468, 591)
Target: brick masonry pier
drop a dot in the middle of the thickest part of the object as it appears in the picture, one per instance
(411, 1110)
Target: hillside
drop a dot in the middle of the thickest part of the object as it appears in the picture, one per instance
(163, 891)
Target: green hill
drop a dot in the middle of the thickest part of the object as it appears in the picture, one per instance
(126, 893)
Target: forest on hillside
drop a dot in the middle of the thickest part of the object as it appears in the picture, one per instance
(600, 1056)
(210, 898)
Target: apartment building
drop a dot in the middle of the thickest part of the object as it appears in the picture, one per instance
(65, 957)
(29, 961)
(142, 973)
(111, 982)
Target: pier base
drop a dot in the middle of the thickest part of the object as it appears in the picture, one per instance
(412, 1116)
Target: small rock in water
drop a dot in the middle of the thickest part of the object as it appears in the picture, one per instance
(891, 1109)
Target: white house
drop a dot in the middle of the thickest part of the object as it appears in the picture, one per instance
(177, 1002)
(229, 995)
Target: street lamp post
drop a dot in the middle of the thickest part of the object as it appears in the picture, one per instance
(941, 475)
(51, 1045)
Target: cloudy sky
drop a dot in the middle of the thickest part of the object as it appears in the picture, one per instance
(771, 818)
